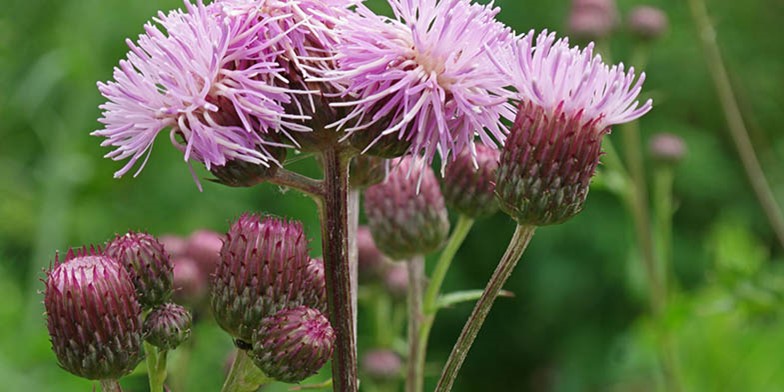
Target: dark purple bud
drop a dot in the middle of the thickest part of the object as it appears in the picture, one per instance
(381, 364)
(369, 258)
(469, 182)
(406, 212)
(147, 263)
(93, 316)
(167, 326)
(647, 23)
(546, 166)
(667, 148)
(293, 344)
(264, 268)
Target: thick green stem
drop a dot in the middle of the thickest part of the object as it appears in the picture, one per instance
(334, 228)
(156, 367)
(734, 118)
(416, 359)
(520, 239)
(244, 376)
(429, 305)
(297, 181)
(110, 386)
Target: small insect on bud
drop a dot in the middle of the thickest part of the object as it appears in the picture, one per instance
(93, 317)
(406, 212)
(148, 264)
(293, 344)
(167, 326)
(469, 182)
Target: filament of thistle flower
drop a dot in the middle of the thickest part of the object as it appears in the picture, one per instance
(520, 239)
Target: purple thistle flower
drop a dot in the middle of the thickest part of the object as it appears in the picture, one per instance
(424, 77)
(206, 76)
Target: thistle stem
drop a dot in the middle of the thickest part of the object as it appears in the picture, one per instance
(156, 367)
(520, 239)
(244, 376)
(353, 255)
(110, 386)
(416, 283)
(334, 225)
(297, 181)
(429, 307)
(734, 118)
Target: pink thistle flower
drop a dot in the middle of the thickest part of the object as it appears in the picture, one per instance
(205, 76)
(424, 77)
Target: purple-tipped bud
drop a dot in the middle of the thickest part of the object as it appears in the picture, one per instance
(395, 279)
(366, 170)
(667, 148)
(369, 258)
(239, 173)
(314, 288)
(469, 182)
(647, 23)
(546, 165)
(264, 268)
(167, 326)
(93, 316)
(147, 263)
(382, 364)
(592, 19)
(406, 212)
(204, 247)
(293, 344)
(190, 283)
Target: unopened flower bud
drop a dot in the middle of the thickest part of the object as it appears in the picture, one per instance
(667, 148)
(647, 23)
(173, 245)
(546, 166)
(468, 188)
(406, 212)
(395, 279)
(147, 263)
(240, 173)
(190, 283)
(369, 258)
(314, 287)
(203, 246)
(592, 19)
(293, 344)
(93, 316)
(366, 170)
(371, 142)
(382, 364)
(264, 268)
(167, 326)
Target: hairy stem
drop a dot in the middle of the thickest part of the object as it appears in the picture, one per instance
(416, 283)
(297, 181)
(244, 376)
(110, 386)
(334, 228)
(520, 239)
(734, 118)
(353, 255)
(156, 367)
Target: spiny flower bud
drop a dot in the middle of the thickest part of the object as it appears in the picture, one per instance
(147, 263)
(667, 148)
(239, 173)
(647, 23)
(93, 317)
(469, 182)
(315, 285)
(369, 258)
(167, 326)
(406, 212)
(366, 170)
(382, 364)
(546, 166)
(264, 268)
(293, 344)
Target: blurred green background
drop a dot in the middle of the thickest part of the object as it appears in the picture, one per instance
(579, 321)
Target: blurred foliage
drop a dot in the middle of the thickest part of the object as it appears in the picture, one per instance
(578, 321)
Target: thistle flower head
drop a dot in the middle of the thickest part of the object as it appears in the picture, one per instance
(167, 326)
(647, 23)
(592, 19)
(148, 265)
(469, 182)
(264, 268)
(423, 77)
(406, 212)
(568, 100)
(92, 314)
(293, 344)
(204, 75)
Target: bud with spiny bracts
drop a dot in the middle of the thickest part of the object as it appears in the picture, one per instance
(264, 268)
(406, 212)
(239, 173)
(293, 344)
(546, 165)
(469, 182)
(93, 316)
(167, 326)
(366, 170)
(148, 264)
